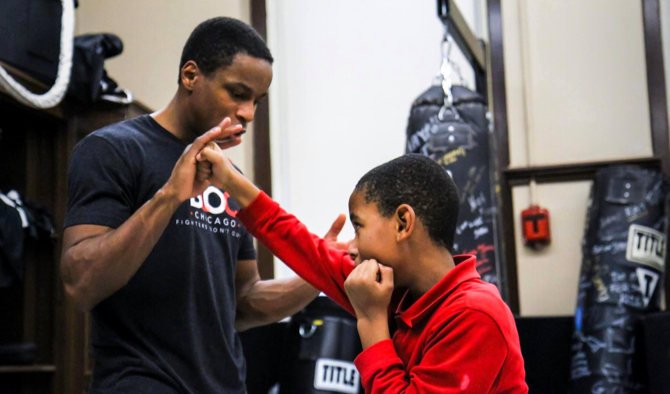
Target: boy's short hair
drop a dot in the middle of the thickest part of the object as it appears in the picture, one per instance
(421, 183)
(215, 42)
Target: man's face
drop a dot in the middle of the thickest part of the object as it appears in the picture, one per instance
(233, 91)
(375, 236)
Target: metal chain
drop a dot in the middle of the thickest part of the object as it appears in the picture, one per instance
(446, 68)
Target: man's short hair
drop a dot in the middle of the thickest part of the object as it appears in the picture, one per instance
(215, 42)
(421, 183)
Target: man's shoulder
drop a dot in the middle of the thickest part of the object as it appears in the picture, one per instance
(119, 133)
(126, 139)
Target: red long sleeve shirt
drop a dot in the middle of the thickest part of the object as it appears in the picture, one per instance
(459, 337)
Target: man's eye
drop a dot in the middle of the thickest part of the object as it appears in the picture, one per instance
(236, 95)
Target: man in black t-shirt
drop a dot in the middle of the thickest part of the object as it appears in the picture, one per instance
(155, 252)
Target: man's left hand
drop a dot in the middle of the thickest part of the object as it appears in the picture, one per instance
(331, 235)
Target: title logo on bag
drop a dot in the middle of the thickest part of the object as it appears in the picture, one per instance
(646, 246)
(648, 280)
(335, 375)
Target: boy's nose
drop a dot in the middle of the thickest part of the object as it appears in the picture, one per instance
(353, 250)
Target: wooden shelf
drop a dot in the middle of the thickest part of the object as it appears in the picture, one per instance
(571, 172)
(27, 369)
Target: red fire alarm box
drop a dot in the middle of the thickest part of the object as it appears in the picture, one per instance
(535, 222)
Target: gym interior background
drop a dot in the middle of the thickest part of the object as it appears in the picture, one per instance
(577, 90)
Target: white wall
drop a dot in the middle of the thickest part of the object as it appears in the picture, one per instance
(153, 33)
(346, 73)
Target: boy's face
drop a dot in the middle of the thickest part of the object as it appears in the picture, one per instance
(375, 236)
(233, 91)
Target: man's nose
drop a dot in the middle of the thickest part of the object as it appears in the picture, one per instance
(246, 111)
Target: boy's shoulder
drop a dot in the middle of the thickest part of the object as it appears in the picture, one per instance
(478, 297)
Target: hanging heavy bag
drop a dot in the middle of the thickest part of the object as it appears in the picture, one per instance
(321, 345)
(458, 139)
(621, 278)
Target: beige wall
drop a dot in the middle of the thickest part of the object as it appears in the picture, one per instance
(548, 278)
(665, 31)
(576, 81)
(581, 66)
(153, 34)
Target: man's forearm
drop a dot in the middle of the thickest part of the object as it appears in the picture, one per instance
(268, 301)
(96, 267)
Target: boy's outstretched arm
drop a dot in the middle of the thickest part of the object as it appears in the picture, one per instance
(314, 259)
(226, 177)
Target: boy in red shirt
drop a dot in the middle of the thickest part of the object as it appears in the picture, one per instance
(442, 330)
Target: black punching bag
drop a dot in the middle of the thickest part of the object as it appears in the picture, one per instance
(321, 344)
(458, 139)
(621, 279)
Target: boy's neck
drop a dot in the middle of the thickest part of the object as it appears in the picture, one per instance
(432, 264)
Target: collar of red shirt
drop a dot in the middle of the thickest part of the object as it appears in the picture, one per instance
(464, 270)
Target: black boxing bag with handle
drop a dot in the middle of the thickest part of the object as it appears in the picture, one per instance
(459, 139)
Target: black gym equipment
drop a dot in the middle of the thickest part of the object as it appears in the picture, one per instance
(621, 279)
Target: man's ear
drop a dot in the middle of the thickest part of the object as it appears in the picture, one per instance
(189, 74)
(405, 219)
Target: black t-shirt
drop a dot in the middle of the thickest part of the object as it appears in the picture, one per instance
(170, 329)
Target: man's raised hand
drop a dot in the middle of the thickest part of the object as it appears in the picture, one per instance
(183, 183)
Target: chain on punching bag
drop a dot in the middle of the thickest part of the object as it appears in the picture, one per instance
(621, 279)
(450, 125)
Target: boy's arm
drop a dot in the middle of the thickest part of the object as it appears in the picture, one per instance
(306, 254)
(261, 302)
(465, 355)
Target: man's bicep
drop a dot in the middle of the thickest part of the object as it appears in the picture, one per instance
(76, 234)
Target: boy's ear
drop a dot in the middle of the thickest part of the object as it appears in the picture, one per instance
(405, 219)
